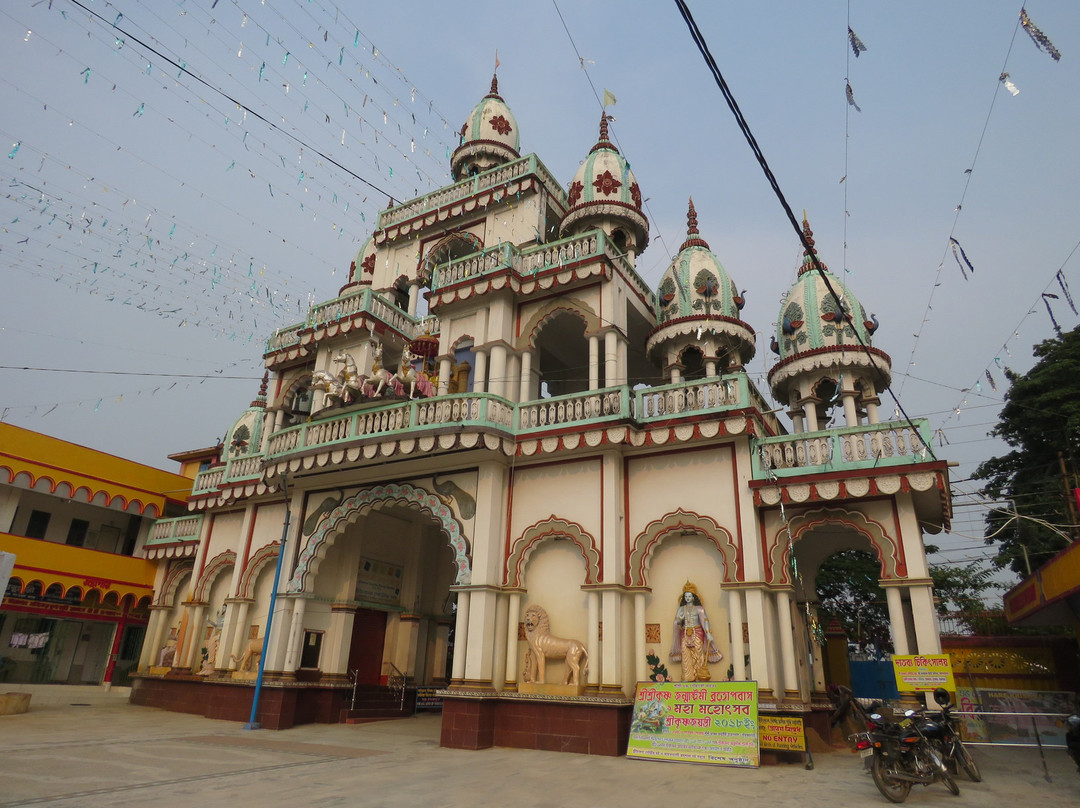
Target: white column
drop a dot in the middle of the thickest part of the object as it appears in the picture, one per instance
(461, 636)
(738, 647)
(513, 616)
(296, 636)
(847, 391)
(594, 362)
(279, 635)
(414, 295)
(896, 620)
(810, 411)
(611, 648)
(480, 372)
(593, 599)
(641, 670)
(194, 640)
(924, 616)
(870, 396)
(240, 636)
(155, 636)
(787, 643)
(445, 369)
(497, 371)
(611, 359)
(525, 389)
(757, 620)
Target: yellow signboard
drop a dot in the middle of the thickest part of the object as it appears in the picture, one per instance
(781, 732)
(923, 672)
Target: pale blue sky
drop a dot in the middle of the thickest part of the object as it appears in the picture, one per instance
(246, 226)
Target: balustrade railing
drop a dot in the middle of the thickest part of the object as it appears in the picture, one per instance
(868, 445)
(685, 398)
(180, 528)
(595, 405)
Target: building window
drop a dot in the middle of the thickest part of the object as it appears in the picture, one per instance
(37, 525)
(76, 536)
(309, 658)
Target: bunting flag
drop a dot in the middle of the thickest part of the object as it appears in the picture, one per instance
(1065, 291)
(961, 254)
(851, 97)
(856, 44)
(609, 98)
(990, 378)
(1042, 42)
(1046, 298)
(1004, 79)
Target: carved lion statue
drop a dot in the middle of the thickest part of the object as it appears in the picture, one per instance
(251, 656)
(544, 645)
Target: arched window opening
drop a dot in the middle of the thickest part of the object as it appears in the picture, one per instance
(563, 353)
(693, 361)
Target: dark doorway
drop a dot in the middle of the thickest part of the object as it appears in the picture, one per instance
(366, 650)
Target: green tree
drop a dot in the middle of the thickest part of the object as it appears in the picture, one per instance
(1041, 422)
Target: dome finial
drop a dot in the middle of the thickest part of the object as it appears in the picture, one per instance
(604, 117)
(494, 84)
(810, 256)
(693, 237)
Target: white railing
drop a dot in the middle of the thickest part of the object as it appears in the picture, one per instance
(888, 444)
(683, 399)
(177, 529)
(576, 407)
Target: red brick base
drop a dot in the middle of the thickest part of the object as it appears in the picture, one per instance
(590, 729)
(281, 705)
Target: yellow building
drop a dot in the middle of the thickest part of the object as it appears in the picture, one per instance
(76, 520)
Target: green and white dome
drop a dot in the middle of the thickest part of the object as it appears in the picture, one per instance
(489, 137)
(604, 193)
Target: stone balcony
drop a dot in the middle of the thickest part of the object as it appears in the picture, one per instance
(688, 411)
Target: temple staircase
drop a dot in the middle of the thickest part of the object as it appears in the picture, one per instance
(397, 699)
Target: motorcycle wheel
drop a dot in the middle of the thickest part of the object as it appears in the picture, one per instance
(892, 789)
(967, 762)
(950, 783)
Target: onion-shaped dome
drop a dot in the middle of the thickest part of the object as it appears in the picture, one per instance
(697, 296)
(605, 193)
(489, 137)
(823, 327)
(363, 266)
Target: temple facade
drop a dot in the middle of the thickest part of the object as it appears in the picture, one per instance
(497, 414)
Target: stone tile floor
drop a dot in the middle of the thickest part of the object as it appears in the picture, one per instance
(85, 747)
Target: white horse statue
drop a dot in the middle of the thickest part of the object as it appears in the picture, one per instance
(344, 388)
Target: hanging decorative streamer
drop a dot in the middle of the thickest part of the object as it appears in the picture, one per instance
(856, 44)
(990, 378)
(14, 149)
(1042, 42)
(851, 97)
(1065, 291)
(1046, 297)
(955, 247)
(1004, 79)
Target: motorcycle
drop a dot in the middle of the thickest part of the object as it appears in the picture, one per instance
(1072, 738)
(948, 741)
(900, 754)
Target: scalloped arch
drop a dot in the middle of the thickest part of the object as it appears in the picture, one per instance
(547, 312)
(649, 540)
(334, 524)
(214, 567)
(176, 574)
(551, 528)
(82, 493)
(259, 559)
(888, 550)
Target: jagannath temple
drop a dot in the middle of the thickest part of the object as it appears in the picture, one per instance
(549, 483)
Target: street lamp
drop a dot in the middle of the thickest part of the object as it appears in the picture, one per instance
(252, 722)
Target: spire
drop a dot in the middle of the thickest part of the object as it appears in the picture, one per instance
(260, 399)
(494, 85)
(605, 139)
(808, 234)
(693, 238)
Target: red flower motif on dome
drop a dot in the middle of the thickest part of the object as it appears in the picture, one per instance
(606, 183)
(575, 192)
(368, 265)
(635, 195)
(501, 125)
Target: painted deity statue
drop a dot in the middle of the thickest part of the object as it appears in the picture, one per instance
(692, 641)
(167, 654)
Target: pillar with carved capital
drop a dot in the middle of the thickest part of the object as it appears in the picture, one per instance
(738, 647)
(787, 643)
(513, 616)
(594, 362)
(592, 678)
(461, 637)
(896, 620)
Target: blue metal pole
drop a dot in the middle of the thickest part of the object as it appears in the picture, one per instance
(252, 722)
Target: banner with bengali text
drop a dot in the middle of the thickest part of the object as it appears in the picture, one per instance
(696, 722)
(923, 672)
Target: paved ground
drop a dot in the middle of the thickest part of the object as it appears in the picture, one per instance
(83, 747)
